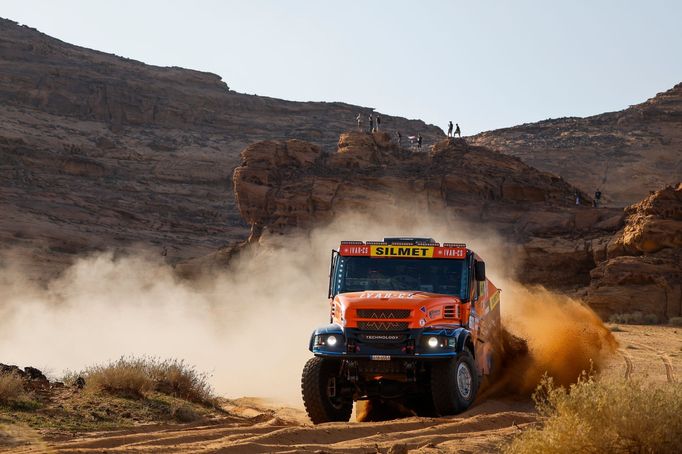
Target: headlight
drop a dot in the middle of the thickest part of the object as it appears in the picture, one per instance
(432, 342)
(331, 340)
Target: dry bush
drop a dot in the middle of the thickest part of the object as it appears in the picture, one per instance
(11, 388)
(600, 416)
(133, 377)
(127, 377)
(675, 321)
(178, 379)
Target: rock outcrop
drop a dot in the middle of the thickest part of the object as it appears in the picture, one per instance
(626, 154)
(286, 185)
(642, 271)
(99, 151)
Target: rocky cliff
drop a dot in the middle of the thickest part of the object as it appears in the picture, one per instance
(642, 271)
(99, 151)
(286, 185)
(626, 154)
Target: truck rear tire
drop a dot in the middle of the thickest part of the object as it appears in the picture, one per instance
(321, 387)
(454, 384)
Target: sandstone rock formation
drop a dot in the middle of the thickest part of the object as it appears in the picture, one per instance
(642, 271)
(626, 154)
(99, 151)
(286, 185)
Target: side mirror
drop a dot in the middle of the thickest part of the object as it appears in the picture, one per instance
(479, 271)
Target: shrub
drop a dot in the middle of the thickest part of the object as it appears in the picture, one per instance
(11, 388)
(133, 377)
(634, 318)
(675, 321)
(599, 416)
(126, 377)
(650, 319)
(178, 379)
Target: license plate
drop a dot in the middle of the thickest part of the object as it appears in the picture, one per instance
(380, 358)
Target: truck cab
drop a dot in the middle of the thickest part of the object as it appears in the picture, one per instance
(410, 319)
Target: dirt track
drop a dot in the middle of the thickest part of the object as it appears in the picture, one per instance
(647, 353)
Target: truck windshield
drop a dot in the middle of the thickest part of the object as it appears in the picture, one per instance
(444, 276)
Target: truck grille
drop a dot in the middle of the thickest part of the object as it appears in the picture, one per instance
(383, 326)
(384, 313)
(450, 312)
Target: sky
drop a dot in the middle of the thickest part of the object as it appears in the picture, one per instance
(483, 64)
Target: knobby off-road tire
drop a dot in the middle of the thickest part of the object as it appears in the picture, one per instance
(454, 384)
(320, 378)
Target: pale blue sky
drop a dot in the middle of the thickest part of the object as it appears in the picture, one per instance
(484, 64)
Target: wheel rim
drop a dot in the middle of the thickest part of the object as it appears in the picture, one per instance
(464, 380)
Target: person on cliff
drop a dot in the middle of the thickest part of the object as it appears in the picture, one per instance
(577, 198)
(457, 131)
(400, 138)
(371, 123)
(378, 122)
(597, 198)
(450, 128)
(419, 140)
(359, 120)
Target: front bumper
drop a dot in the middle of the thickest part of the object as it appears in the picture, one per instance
(353, 343)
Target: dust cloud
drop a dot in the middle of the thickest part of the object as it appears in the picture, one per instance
(248, 326)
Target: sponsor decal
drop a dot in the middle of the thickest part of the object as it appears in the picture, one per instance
(384, 337)
(384, 295)
(494, 300)
(380, 357)
(401, 251)
(405, 251)
(434, 313)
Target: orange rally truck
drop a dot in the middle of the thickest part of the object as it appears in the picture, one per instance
(411, 320)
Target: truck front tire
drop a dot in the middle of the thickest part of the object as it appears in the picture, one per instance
(454, 384)
(321, 385)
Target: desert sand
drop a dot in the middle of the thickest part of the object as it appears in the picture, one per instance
(649, 353)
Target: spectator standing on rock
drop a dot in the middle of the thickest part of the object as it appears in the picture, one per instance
(577, 198)
(371, 123)
(419, 140)
(378, 122)
(597, 198)
(400, 138)
(359, 120)
(450, 128)
(457, 131)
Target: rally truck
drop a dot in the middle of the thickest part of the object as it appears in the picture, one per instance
(410, 320)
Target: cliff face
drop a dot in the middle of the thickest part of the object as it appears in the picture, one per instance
(99, 151)
(286, 185)
(626, 154)
(643, 267)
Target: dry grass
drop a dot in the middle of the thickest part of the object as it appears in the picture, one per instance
(600, 416)
(134, 377)
(11, 388)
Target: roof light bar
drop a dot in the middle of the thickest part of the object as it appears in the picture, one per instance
(352, 242)
(454, 245)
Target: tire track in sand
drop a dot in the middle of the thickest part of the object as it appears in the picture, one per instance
(628, 363)
(667, 363)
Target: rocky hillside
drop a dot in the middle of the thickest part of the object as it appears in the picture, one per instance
(618, 261)
(626, 154)
(99, 151)
(286, 185)
(642, 271)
